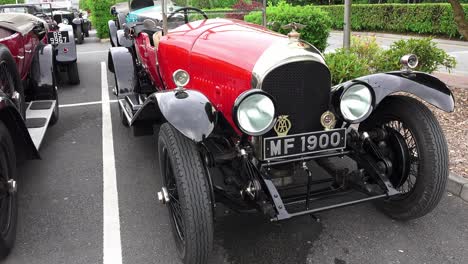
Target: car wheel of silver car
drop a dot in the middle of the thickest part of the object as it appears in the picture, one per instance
(186, 189)
(73, 75)
(79, 35)
(418, 151)
(8, 206)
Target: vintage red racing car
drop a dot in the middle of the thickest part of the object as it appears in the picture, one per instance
(28, 106)
(248, 118)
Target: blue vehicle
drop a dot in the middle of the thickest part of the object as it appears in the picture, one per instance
(138, 12)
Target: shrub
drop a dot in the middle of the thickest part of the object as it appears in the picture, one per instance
(367, 49)
(207, 4)
(430, 56)
(100, 10)
(4, 2)
(366, 57)
(431, 19)
(244, 6)
(346, 65)
(317, 22)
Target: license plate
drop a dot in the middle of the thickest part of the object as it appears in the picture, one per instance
(302, 144)
(58, 37)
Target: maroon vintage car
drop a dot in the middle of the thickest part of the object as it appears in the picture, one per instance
(249, 118)
(28, 105)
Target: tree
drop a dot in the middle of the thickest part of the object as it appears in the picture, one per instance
(459, 17)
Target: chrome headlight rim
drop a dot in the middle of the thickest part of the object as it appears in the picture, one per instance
(238, 102)
(370, 106)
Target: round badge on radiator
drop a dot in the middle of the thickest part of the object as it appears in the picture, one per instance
(328, 120)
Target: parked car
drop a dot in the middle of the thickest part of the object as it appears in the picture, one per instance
(139, 11)
(87, 25)
(69, 17)
(248, 118)
(28, 93)
(60, 35)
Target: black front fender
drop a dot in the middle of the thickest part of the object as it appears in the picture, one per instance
(11, 118)
(42, 73)
(120, 62)
(423, 85)
(112, 33)
(189, 111)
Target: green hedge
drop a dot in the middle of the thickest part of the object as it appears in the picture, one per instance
(101, 14)
(317, 22)
(4, 2)
(431, 19)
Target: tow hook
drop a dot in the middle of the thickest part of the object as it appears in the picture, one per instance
(163, 196)
(12, 187)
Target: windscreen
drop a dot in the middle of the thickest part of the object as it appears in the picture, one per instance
(14, 10)
(233, 9)
(184, 11)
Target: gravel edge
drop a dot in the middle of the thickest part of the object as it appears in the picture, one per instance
(458, 186)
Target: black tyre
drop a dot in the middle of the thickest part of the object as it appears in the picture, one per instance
(73, 75)
(8, 199)
(79, 34)
(419, 154)
(11, 80)
(189, 203)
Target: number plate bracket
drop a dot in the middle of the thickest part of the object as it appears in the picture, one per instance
(303, 144)
(58, 37)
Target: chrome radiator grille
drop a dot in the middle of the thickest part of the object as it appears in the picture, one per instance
(302, 91)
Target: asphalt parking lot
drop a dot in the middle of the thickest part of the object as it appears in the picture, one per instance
(70, 212)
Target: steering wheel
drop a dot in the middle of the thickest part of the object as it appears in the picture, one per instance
(186, 9)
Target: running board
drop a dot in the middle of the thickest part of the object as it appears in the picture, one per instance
(130, 105)
(38, 114)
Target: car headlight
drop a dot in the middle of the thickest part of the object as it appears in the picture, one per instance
(356, 103)
(254, 112)
(65, 21)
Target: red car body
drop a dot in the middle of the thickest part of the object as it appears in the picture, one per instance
(212, 50)
(245, 115)
(22, 48)
(28, 106)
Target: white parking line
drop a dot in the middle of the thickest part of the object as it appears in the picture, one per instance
(92, 52)
(87, 103)
(112, 248)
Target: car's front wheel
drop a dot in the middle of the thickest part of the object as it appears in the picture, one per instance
(73, 75)
(8, 207)
(418, 151)
(188, 196)
(79, 35)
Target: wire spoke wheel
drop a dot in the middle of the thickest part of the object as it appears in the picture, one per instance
(188, 195)
(174, 202)
(416, 146)
(406, 182)
(6, 200)
(8, 195)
